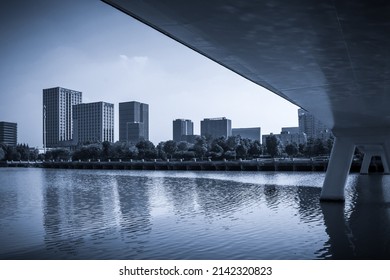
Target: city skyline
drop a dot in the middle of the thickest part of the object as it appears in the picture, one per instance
(68, 122)
(90, 47)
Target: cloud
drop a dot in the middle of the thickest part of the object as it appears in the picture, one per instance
(135, 60)
(124, 57)
(141, 60)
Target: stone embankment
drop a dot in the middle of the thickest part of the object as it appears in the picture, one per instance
(234, 165)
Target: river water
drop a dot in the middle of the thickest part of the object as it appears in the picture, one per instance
(122, 214)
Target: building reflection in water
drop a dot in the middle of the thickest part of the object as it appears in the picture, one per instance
(86, 216)
(118, 215)
(134, 200)
(360, 229)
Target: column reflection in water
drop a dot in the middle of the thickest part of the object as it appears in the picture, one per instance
(360, 229)
(121, 214)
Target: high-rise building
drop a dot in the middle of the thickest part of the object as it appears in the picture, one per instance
(93, 122)
(216, 127)
(311, 126)
(133, 121)
(181, 129)
(57, 116)
(252, 133)
(8, 133)
(290, 130)
(291, 135)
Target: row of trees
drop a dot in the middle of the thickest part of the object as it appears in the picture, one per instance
(233, 147)
(313, 147)
(18, 152)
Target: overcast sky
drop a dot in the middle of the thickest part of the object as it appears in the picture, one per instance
(93, 48)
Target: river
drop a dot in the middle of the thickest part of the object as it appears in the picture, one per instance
(122, 214)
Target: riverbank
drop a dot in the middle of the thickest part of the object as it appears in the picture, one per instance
(235, 165)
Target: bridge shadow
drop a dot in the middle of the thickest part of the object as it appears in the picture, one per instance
(360, 228)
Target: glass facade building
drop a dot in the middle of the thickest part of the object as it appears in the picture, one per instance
(57, 116)
(312, 127)
(182, 128)
(216, 127)
(252, 133)
(8, 133)
(93, 122)
(133, 121)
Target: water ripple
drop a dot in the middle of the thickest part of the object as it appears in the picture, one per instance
(118, 214)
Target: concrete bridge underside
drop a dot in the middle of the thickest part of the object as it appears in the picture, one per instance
(329, 57)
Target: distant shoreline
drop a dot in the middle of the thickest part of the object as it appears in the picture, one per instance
(233, 165)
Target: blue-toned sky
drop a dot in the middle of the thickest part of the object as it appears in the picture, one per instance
(91, 47)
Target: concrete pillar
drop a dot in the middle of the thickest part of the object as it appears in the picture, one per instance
(386, 157)
(385, 163)
(371, 150)
(366, 163)
(338, 169)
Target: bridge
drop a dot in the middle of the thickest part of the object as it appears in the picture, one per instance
(331, 58)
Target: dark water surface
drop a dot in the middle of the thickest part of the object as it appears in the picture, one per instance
(114, 214)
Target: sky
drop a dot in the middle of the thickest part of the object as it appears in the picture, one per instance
(91, 47)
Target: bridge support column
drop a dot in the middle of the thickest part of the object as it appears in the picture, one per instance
(372, 141)
(338, 169)
(375, 150)
(386, 157)
(366, 163)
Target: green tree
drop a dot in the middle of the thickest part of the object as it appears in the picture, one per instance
(23, 150)
(106, 150)
(182, 150)
(60, 154)
(34, 154)
(232, 142)
(319, 147)
(216, 151)
(160, 151)
(230, 155)
(200, 147)
(272, 144)
(291, 149)
(121, 150)
(12, 153)
(309, 148)
(146, 150)
(2, 153)
(242, 151)
(92, 152)
(255, 149)
(301, 149)
(183, 146)
(170, 147)
(329, 145)
(221, 142)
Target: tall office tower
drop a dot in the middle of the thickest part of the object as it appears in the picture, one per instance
(291, 135)
(133, 121)
(8, 133)
(57, 116)
(216, 127)
(93, 122)
(312, 127)
(181, 129)
(252, 133)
